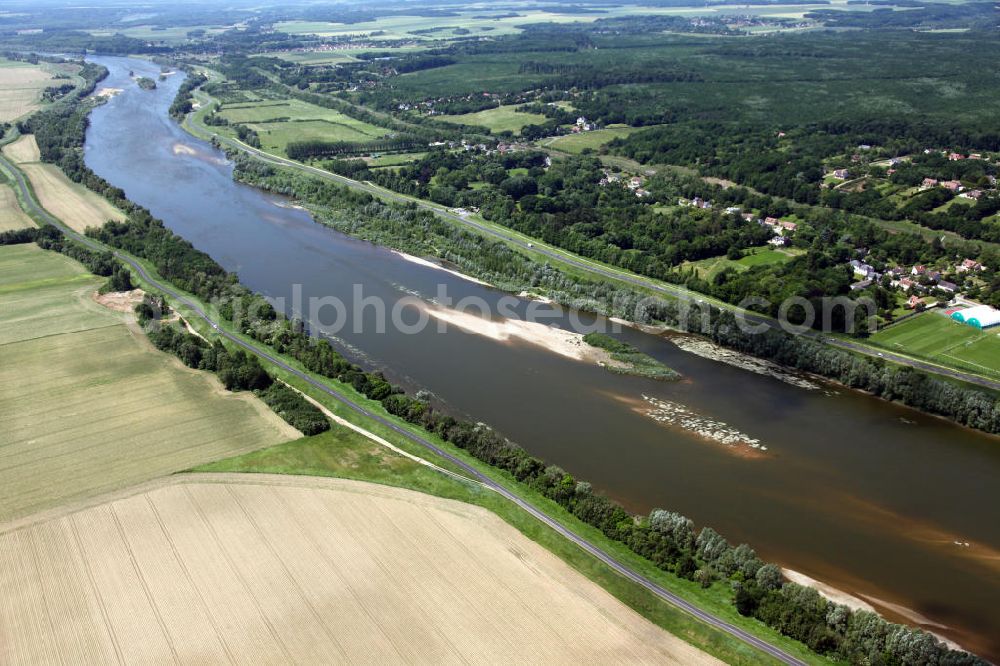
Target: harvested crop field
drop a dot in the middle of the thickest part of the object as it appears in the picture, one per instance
(72, 203)
(274, 569)
(25, 149)
(87, 405)
(11, 215)
(21, 86)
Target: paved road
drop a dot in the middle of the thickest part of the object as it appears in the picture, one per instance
(674, 291)
(580, 541)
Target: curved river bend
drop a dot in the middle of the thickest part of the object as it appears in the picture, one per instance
(871, 498)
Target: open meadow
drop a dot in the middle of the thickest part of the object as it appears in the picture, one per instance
(21, 86)
(936, 337)
(273, 569)
(499, 119)
(577, 143)
(280, 122)
(87, 405)
(71, 202)
(707, 269)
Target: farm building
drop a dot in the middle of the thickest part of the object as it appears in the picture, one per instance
(980, 316)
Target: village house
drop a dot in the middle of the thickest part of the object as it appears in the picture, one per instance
(968, 265)
(863, 269)
(842, 174)
(972, 194)
(929, 182)
(858, 286)
(946, 286)
(778, 241)
(952, 185)
(955, 157)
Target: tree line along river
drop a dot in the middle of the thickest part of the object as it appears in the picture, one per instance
(872, 498)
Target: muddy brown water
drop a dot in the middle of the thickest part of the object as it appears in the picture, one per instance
(869, 497)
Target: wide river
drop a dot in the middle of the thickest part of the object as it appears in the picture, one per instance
(897, 508)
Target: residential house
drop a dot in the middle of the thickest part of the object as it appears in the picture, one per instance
(929, 182)
(842, 174)
(949, 287)
(863, 284)
(968, 265)
(778, 241)
(951, 185)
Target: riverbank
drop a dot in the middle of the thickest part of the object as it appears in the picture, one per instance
(324, 260)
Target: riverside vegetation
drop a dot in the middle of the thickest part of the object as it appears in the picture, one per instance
(420, 231)
(666, 539)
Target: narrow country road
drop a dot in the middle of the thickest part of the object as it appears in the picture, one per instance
(622, 569)
(540, 247)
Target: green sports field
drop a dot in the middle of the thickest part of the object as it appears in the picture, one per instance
(935, 337)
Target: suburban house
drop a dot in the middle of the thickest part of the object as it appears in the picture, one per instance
(968, 265)
(949, 287)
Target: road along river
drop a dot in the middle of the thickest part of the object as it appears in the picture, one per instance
(871, 498)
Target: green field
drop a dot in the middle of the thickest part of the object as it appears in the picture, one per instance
(317, 57)
(577, 143)
(394, 159)
(706, 269)
(280, 122)
(500, 119)
(87, 405)
(935, 337)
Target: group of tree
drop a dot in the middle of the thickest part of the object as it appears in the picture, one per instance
(238, 371)
(666, 539)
